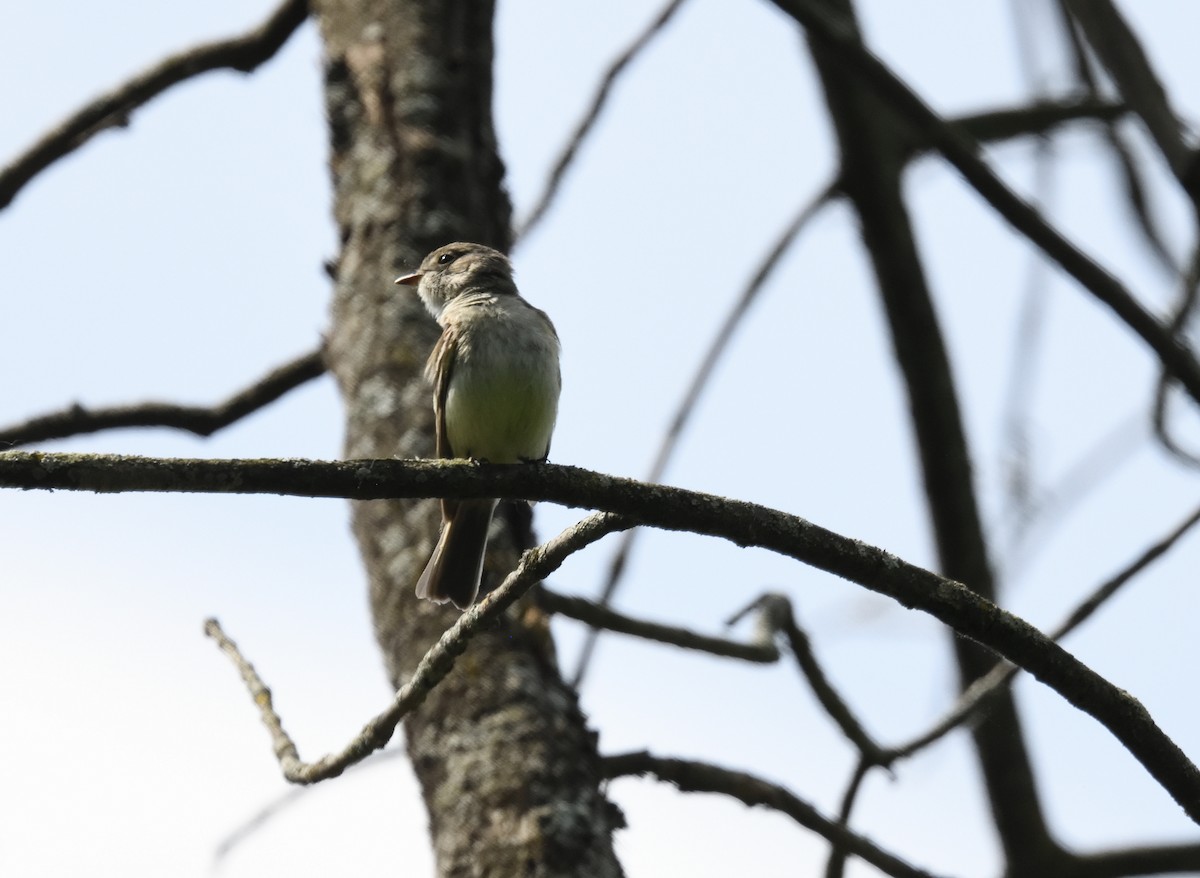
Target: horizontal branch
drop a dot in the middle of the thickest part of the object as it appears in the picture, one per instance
(745, 524)
(1037, 119)
(701, 777)
(601, 617)
(203, 421)
(963, 153)
(1170, 859)
(110, 110)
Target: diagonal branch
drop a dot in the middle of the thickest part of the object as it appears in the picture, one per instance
(534, 566)
(1136, 191)
(744, 524)
(963, 154)
(981, 692)
(1118, 49)
(588, 122)
(779, 616)
(201, 420)
(692, 776)
(111, 110)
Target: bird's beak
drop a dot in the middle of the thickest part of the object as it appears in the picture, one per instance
(409, 280)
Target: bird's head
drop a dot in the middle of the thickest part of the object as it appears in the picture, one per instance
(455, 269)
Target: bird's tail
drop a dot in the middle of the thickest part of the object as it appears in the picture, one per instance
(456, 566)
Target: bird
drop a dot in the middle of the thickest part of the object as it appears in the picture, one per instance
(496, 383)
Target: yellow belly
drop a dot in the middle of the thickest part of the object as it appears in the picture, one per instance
(503, 414)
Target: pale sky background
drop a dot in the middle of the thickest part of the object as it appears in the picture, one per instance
(179, 259)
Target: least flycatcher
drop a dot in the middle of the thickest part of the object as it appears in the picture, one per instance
(495, 383)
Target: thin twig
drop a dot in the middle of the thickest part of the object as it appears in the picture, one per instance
(588, 122)
(1023, 373)
(110, 110)
(835, 867)
(289, 797)
(1052, 506)
(1188, 295)
(203, 421)
(1136, 191)
(534, 565)
(1037, 119)
(761, 650)
(963, 154)
(1119, 50)
(777, 614)
(260, 693)
(691, 776)
(687, 405)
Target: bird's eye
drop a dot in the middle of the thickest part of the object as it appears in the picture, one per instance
(447, 258)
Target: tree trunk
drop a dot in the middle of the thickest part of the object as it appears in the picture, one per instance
(508, 768)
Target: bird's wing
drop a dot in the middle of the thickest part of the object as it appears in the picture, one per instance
(439, 369)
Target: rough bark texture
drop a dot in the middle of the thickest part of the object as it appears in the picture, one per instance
(507, 765)
(871, 141)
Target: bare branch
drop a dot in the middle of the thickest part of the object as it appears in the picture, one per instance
(963, 154)
(1038, 119)
(687, 405)
(744, 524)
(534, 566)
(281, 803)
(260, 694)
(203, 421)
(836, 865)
(111, 110)
(588, 122)
(1123, 57)
(761, 651)
(1052, 505)
(1136, 192)
(691, 776)
(249, 828)
(1164, 860)
(778, 615)
(979, 693)
(1188, 295)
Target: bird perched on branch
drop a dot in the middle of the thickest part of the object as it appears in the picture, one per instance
(496, 383)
